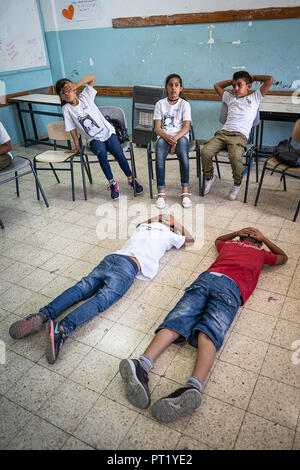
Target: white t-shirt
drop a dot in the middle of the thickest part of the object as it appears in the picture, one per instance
(172, 115)
(87, 118)
(4, 137)
(148, 244)
(241, 112)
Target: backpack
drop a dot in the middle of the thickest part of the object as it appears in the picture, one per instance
(287, 154)
(121, 131)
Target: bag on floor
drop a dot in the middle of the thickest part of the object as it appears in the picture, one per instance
(121, 131)
(287, 154)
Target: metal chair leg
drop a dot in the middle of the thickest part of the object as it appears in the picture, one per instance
(72, 180)
(249, 160)
(1, 224)
(55, 174)
(296, 213)
(260, 182)
(38, 184)
(17, 184)
(83, 176)
(150, 176)
(218, 169)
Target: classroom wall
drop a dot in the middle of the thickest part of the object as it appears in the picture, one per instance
(201, 53)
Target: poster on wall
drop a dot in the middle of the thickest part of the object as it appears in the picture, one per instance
(80, 10)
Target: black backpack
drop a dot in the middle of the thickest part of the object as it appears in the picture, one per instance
(287, 154)
(121, 131)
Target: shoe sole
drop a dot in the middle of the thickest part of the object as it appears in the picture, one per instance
(24, 327)
(170, 409)
(135, 391)
(50, 349)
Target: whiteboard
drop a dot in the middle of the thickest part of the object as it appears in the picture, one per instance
(21, 36)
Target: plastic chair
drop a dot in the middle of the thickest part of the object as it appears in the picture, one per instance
(56, 132)
(248, 154)
(275, 166)
(114, 113)
(17, 164)
(193, 147)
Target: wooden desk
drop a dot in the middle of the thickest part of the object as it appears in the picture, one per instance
(276, 108)
(29, 100)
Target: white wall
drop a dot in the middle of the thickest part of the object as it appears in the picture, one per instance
(99, 13)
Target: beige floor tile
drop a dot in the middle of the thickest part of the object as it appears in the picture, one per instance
(172, 276)
(57, 286)
(291, 310)
(3, 314)
(120, 341)
(5, 262)
(187, 443)
(38, 435)
(278, 365)
(277, 284)
(215, 423)
(136, 290)
(78, 270)
(93, 331)
(96, 370)
(296, 445)
(34, 388)
(75, 444)
(32, 305)
(276, 401)
(285, 334)
(231, 384)
(37, 280)
(291, 249)
(259, 434)
(156, 295)
(70, 403)
(13, 419)
(255, 325)
(266, 302)
(106, 424)
(58, 263)
(141, 317)
(4, 286)
(244, 352)
(77, 249)
(288, 235)
(14, 367)
(181, 367)
(116, 311)
(294, 290)
(16, 272)
(146, 434)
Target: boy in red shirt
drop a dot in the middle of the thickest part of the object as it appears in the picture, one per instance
(202, 317)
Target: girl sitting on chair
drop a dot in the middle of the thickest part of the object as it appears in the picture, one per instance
(172, 116)
(81, 113)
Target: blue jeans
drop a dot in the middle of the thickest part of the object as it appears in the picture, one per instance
(114, 147)
(182, 152)
(208, 305)
(108, 282)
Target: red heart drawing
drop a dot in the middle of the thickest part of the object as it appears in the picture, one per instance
(69, 13)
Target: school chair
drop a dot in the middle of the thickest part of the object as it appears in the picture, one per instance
(57, 133)
(276, 166)
(250, 152)
(151, 156)
(113, 112)
(19, 164)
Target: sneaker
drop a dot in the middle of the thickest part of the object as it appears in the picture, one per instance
(114, 190)
(136, 380)
(209, 183)
(161, 203)
(186, 201)
(28, 325)
(55, 338)
(234, 192)
(180, 403)
(138, 187)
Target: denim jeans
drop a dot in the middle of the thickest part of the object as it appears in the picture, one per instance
(114, 147)
(182, 152)
(108, 282)
(208, 305)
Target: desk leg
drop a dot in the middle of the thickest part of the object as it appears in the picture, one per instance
(22, 124)
(261, 135)
(33, 121)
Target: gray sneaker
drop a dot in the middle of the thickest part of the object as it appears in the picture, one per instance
(180, 403)
(135, 379)
(209, 183)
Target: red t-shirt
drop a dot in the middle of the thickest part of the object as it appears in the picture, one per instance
(242, 262)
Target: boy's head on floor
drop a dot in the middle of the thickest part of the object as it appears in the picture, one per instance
(251, 240)
(241, 83)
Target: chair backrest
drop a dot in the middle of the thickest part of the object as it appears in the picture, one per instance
(296, 132)
(56, 131)
(224, 111)
(114, 113)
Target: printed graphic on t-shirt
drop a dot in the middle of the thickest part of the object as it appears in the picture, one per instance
(89, 125)
(168, 120)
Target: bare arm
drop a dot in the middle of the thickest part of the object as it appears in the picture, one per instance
(281, 256)
(159, 131)
(220, 87)
(267, 81)
(88, 80)
(170, 221)
(4, 148)
(76, 142)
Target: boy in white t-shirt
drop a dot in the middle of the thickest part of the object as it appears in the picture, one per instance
(107, 283)
(5, 147)
(242, 110)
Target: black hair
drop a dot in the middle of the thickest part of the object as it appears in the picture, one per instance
(250, 239)
(59, 86)
(243, 75)
(175, 75)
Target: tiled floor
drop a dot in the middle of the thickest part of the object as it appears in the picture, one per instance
(251, 398)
